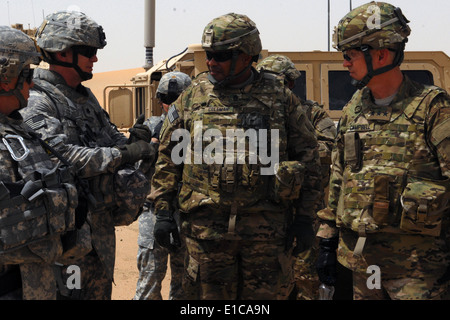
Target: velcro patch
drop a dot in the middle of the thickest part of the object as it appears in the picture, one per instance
(172, 114)
(36, 122)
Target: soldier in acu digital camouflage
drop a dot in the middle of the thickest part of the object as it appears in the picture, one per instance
(307, 281)
(152, 258)
(70, 119)
(38, 197)
(388, 207)
(244, 214)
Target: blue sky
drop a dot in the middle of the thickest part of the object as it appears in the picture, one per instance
(289, 25)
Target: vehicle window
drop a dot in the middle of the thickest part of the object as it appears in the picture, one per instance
(300, 86)
(341, 89)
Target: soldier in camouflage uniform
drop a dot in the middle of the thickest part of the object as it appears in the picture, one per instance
(37, 196)
(235, 205)
(70, 119)
(389, 187)
(307, 281)
(152, 258)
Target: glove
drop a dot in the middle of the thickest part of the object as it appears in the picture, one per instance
(302, 231)
(164, 227)
(140, 131)
(327, 260)
(139, 150)
(157, 130)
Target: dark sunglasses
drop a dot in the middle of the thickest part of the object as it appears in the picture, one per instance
(85, 51)
(27, 74)
(219, 56)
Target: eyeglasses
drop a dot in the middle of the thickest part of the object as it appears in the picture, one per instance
(220, 56)
(27, 74)
(85, 51)
(351, 55)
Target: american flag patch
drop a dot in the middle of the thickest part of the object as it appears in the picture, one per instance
(172, 114)
(36, 122)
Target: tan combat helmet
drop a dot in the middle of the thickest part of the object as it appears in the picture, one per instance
(280, 64)
(17, 52)
(374, 25)
(233, 33)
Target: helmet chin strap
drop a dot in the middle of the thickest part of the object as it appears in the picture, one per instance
(370, 72)
(83, 75)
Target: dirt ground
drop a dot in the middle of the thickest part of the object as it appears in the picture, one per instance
(126, 272)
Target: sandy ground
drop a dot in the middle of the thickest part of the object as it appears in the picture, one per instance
(126, 272)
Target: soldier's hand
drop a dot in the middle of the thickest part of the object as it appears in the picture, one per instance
(302, 232)
(139, 150)
(165, 227)
(327, 261)
(140, 131)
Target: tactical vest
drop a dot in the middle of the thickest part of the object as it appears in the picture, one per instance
(236, 183)
(84, 126)
(391, 180)
(42, 203)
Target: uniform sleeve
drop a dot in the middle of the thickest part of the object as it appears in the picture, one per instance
(41, 115)
(439, 136)
(168, 174)
(303, 147)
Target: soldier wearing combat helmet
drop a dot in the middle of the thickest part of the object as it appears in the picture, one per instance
(389, 187)
(235, 212)
(152, 258)
(307, 282)
(69, 117)
(38, 197)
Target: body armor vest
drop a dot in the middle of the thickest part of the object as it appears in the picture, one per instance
(37, 199)
(391, 180)
(241, 119)
(84, 125)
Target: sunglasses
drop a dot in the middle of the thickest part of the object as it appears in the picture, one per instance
(27, 74)
(85, 51)
(220, 56)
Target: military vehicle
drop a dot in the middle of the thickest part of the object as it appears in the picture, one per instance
(323, 79)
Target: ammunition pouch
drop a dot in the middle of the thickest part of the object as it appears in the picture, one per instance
(288, 180)
(353, 152)
(424, 202)
(33, 210)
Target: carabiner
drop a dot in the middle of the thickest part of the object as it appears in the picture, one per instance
(13, 155)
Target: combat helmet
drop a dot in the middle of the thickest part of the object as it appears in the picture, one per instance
(279, 64)
(232, 32)
(69, 29)
(171, 85)
(17, 51)
(374, 25)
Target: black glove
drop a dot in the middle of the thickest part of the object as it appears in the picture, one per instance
(327, 260)
(139, 150)
(140, 131)
(302, 231)
(164, 227)
(157, 130)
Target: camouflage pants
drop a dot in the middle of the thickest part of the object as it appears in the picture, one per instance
(152, 263)
(237, 269)
(306, 279)
(410, 266)
(95, 283)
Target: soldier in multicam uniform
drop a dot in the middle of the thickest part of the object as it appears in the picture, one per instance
(307, 281)
(237, 217)
(389, 187)
(152, 258)
(37, 196)
(70, 119)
